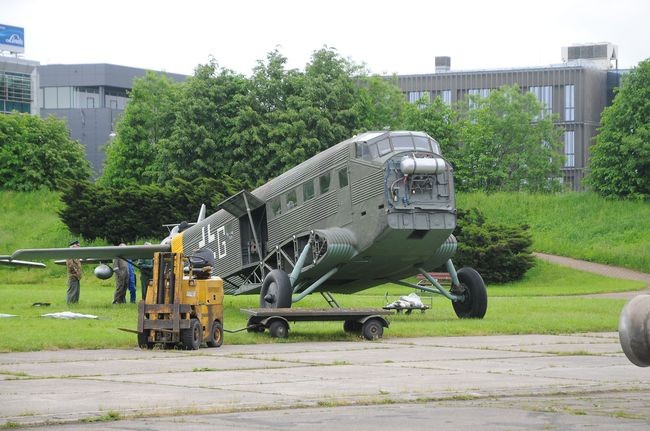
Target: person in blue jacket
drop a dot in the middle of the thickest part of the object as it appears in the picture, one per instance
(132, 281)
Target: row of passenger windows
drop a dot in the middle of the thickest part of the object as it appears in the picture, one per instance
(307, 191)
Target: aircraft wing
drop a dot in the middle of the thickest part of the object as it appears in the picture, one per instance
(99, 253)
(6, 260)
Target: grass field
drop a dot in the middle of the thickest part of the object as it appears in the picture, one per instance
(579, 225)
(514, 309)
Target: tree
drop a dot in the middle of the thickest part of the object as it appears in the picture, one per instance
(620, 159)
(379, 104)
(200, 144)
(507, 144)
(38, 153)
(437, 119)
(147, 119)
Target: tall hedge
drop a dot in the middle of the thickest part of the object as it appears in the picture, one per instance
(131, 213)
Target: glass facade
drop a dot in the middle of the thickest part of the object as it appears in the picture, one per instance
(82, 97)
(569, 103)
(570, 149)
(15, 92)
(545, 96)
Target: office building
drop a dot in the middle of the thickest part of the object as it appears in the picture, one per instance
(576, 91)
(90, 98)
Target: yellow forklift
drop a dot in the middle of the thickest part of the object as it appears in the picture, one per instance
(183, 304)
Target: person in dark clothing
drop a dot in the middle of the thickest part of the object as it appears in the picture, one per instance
(74, 277)
(146, 273)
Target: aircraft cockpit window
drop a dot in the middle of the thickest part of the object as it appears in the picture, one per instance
(383, 146)
(308, 190)
(401, 143)
(276, 206)
(435, 146)
(292, 199)
(343, 177)
(366, 151)
(324, 182)
(422, 143)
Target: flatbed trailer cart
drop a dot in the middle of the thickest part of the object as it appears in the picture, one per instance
(369, 322)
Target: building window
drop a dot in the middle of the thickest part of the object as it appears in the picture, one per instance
(414, 96)
(545, 97)
(569, 103)
(569, 149)
(446, 97)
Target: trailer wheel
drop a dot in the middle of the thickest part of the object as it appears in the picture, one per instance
(279, 329)
(472, 286)
(216, 335)
(192, 336)
(143, 340)
(276, 290)
(372, 329)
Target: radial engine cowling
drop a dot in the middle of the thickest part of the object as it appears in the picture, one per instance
(634, 330)
(419, 165)
(103, 271)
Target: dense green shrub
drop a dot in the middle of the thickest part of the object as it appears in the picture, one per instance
(38, 153)
(131, 213)
(499, 253)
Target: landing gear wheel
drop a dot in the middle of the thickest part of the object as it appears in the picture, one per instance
(473, 288)
(276, 290)
(372, 329)
(143, 340)
(216, 335)
(633, 330)
(351, 326)
(192, 336)
(279, 329)
(253, 326)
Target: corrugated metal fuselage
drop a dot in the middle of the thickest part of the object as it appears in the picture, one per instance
(391, 230)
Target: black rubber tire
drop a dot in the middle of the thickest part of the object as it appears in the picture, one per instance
(192, 337)
(143, 340)
(351, 326)
(276, 290)
(279, 329)
(372, 329)
(473, 287)
(216, 335)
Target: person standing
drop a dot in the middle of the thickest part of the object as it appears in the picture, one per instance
(121, 269)
(132, 282)
(146, 273)
(74, 277)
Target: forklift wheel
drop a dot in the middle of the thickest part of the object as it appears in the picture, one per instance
(216, 335)
(192, 336)
(143, 340)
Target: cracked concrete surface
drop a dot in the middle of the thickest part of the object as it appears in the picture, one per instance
(571, 381)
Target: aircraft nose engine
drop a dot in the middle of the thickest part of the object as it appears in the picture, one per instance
(417, 165)
(634, 330)
(103, 271)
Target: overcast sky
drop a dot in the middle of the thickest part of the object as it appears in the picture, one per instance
(399, 36)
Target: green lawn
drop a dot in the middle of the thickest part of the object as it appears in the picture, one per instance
(579, 225)
(513, 309)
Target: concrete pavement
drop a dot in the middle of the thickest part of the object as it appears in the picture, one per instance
(496, 382)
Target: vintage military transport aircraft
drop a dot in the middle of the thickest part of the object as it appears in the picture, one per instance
(376, 208)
